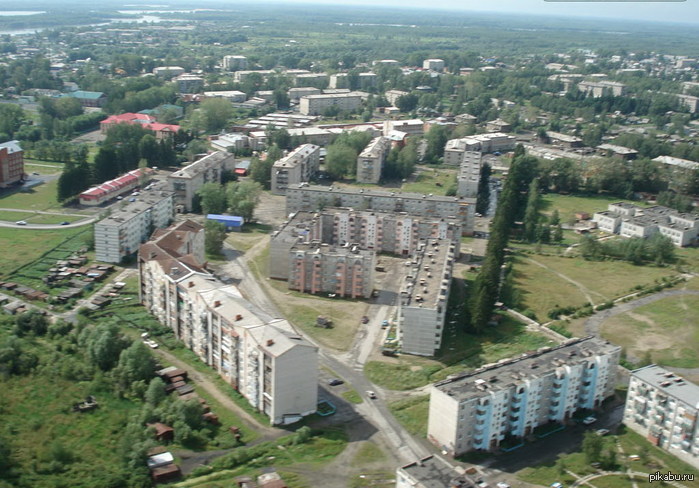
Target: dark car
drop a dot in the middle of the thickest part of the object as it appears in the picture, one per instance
(65, 223)
(335, 382)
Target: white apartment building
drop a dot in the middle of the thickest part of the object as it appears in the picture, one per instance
(663, 408)
(433, 64)
(371, 160)
(311, 198)
(393, 95)
(298, 166)
(469, 174)
(317, 104)
(233, 96)
(412, 127)
(602, 88)
(629, 220)
(235, 63)
(120, 234)
(679, 162)
(479, 409)
(263, 358)
(168, 71)
(432, 472)
(186, 182)
(485, 143)
(424, 296)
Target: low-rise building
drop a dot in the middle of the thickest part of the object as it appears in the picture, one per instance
(679, 162)
(371, 160)
(263, 358)
(433, 64)
(109, 189)
(168, 71)
(424, 296)
(149, 122)
(120, 234)
(318, 104)
(11, 164)
(412, 127)
(622, 152)
(564, 139)
(498, 125)
(663, 407)
(432, 472)
(296, 93)
(89, 98)
(298, 166)
(234, 96)
(510, 399)
(393, 95)
(185, 182)
(311, 198)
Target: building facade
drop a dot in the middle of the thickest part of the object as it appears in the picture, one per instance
(318, 104)
(433, 64)
(371, 160)
(235, 63)
(311, 198)
(263, 358)
(11, 164)
(480, 409)
(424, 296)
(299, 166)
(185, 182)
(109, 189)
(120, 234)
(663, 407)
(469, 175)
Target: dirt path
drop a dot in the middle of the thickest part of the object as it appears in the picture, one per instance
(588, 293)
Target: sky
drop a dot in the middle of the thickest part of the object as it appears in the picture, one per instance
(666, 11)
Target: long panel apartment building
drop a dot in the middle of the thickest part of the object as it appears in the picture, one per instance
(397, 234)
(310, 198)
(629, 220)
(186, 182)
(299, 166)
(263, 358)
(120, 234)
(318, 104)
(479, 409)
(663, 407)
(454, 149)
(424, 296)
(371, 160)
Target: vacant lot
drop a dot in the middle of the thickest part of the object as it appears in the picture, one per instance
(430, 180)
(251, 235)
(22, 246)
(412, 413)
(40, 197)
(667, 329)
(568, 205)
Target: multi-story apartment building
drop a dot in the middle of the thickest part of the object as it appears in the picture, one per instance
(168, 71)
(412, 127)
(319, 80)
(120, 234)
(235, 63)
(424, 296)
(432, 472)
(469, 174)
(296, 93)
(273, 367)
(11, 164)
(188, 83)
(629, 220)
(391, 233)
(486, 143)
(346, 271)
(318, 104)
(371, 160)
(186, 182)
(602, 88)
(299, 166)
(393, 95)
(311, 198)
(479, 409)
(663, 407)
(433, 64)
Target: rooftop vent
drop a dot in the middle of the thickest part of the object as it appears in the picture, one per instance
(270, 342)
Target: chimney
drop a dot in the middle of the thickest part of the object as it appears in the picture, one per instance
(217, 304)
(191, 284)
(238, 317)
(270, 342)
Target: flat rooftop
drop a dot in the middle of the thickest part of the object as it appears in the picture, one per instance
(669, 383)
(378, 193)
(511, 372)
(435, 472)
(144, 201)
(429, 277)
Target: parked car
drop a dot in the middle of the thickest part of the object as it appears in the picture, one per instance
(384, 324)
(21, 222)
(502, 484)
(371, 394)
(35, 173)
(602, 432)
(65, 222)
(365, 319)
(589, 420)
(556, 485)
(335, 382)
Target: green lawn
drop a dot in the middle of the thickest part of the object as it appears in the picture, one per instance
(666, 328)
(568, 205)
(251, 235)
(36, 218)
(428, 179)
(352, 396)
(368, 453)
(40, 197)
(23, 246)
(412, 413)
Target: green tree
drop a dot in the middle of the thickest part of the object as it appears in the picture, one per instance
(407, 103)
(483, 195)
(214, 235)
(33, 321)
(243, 197)
(436, 139)
(136, 364)
(531, 214)
(104, 344)
(148, 149)
(217, 112)
(340, 160)
(261, 171)
(592, 447)
(156, 392)
(213, 198)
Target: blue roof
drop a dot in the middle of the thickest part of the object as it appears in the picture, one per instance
(244, 164)
(86, 94)
(227, 219)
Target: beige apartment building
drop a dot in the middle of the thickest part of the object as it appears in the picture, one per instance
(469, 175)
(318, 104)
(299, 166)
(186, 182)
(371, 160)
(479, 409)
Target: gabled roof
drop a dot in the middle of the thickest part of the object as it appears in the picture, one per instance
(88, 95)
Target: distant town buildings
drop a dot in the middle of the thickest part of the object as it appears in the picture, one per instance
(120, 234)
(312, 198)
(188, 83)
(299, 166)
(11, 164)
(393, 95)
(433, 64)
(263, 358)
(629, 220)
(168, 71)
(480, 409)
(612, 150)
(484, 143)
(663, 407)
(149, 122)
(185, 182)
(602, 88)
(371, 160)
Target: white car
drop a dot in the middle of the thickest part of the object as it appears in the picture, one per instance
(150, 343)
(589, 420)
(371, 394)
(21, 222)
(502, 484)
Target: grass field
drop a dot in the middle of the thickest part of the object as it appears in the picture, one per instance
(412, 413)
(666, 328)
(36, 218)
(251, 235)
(568, 205)
(463, 352)
(40, 197)
(429, 180)
(23, 246)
